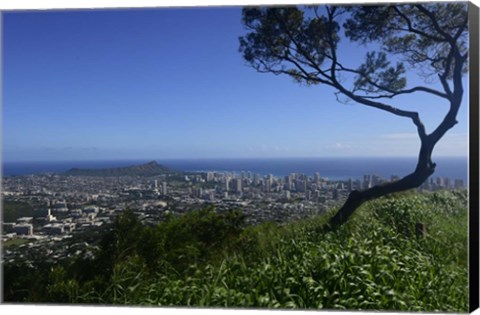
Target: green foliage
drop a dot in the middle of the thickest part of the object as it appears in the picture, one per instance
(420, 43)
(206, 258)
(376, 71)
(284, 34)
(199, 235)
(12, 210)
(61, 288)
(26, 282)
(14, 242)
(303, 43)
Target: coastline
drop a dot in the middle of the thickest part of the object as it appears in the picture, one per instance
(340, 168)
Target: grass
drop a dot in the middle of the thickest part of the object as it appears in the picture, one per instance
(14, 242)
(376, 261)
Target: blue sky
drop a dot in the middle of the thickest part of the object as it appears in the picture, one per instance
(170, 83)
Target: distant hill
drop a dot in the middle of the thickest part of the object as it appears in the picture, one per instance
(148, 169)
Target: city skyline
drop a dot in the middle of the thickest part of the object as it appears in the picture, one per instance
(170, 83)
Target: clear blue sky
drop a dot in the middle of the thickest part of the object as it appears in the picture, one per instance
(166, 83)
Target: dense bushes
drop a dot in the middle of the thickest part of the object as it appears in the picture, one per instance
(205, 258)
(12, 210)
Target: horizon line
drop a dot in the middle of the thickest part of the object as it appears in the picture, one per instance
(230, 158)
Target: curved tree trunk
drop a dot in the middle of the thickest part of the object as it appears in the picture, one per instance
(424, 169)
(425, 166)
(357, 198)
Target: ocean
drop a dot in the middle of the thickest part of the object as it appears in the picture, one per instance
(332, 168)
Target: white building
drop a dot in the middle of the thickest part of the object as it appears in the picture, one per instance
(164, 188)
(24, 220)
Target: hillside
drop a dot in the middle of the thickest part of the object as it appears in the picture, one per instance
(204, 258)
(149, 169)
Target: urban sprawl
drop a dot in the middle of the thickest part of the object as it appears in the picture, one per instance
(67, 207)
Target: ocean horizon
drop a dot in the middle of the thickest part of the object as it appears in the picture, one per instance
(339, 168)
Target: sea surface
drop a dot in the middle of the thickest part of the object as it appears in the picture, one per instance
(332, 168)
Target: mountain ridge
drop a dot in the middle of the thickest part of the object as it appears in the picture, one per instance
(148, 169)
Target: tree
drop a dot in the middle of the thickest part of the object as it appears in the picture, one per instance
(431, 39)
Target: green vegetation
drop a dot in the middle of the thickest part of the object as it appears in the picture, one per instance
(12, 210)
(14, 242)
(204, 258)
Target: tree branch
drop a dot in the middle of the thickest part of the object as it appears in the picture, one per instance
(414, 116)
(413, 30)
(461, 29)
(392, 92)
(298, 47)
(433, 19)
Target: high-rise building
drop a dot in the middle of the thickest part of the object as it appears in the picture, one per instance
(376, 180)
(289, 182)
(210, 176)
(367, 181)
(164, 188)
(439, 181)
(155, 187)
(447, 183)
(256, 179)
(459, 183)
(358, 184)
(237, 185)
(227, 182)
(269, 178)
(300, 185)
(267, 186)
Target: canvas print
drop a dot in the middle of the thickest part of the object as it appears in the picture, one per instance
(309, 157)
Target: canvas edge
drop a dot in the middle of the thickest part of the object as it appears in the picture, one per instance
(473, 12)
